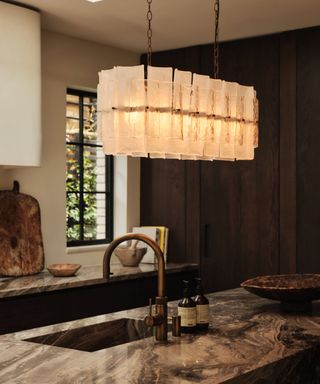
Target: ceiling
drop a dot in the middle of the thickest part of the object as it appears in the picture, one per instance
(176, 23)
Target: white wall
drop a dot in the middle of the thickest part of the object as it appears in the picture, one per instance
(126, 194)
(20, 79)
(66, 62)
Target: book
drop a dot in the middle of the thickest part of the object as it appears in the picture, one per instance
(163, 238)
(154, 234)
(166, 239)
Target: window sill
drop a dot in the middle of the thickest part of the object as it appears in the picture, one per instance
(87, 248)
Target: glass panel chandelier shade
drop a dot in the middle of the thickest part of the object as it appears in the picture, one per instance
(175, 115)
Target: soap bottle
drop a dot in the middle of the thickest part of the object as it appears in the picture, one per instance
(202, 307)
(187, 310)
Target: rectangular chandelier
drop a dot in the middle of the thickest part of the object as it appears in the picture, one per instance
(186, 116)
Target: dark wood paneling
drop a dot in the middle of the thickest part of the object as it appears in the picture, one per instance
(239, 206)
(163, 201)
(170, 189)
(308, 138)
(240, 201)
(288, 152)
(187, 59)
(192, 228)
(262, 216)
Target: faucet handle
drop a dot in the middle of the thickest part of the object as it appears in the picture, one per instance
(153, 319)
(149, 320)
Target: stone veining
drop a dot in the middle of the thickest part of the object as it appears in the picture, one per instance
(87, 275)
(249, 341)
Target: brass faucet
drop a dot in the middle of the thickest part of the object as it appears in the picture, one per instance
(160, 319)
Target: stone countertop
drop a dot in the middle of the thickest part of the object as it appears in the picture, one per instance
(87, 275)
(249, 341)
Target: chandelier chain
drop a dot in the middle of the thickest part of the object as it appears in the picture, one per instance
(149, 32)
(216, 40)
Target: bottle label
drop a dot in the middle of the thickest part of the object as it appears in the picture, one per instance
(203, 314)
(188, 316)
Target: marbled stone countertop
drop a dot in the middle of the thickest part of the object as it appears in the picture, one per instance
(249, 341)
(87, 275)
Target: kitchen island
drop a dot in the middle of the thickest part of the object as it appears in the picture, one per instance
(249, 341)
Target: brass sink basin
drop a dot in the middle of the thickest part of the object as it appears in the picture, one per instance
(92, 338)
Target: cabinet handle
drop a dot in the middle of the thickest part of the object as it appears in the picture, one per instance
(206, 239)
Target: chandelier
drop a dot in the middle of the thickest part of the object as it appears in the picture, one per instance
(173, 114)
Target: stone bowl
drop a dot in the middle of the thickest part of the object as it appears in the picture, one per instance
(130, 257)
(63, 270)
(295, 291)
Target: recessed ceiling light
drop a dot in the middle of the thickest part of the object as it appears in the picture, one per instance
(94, 1)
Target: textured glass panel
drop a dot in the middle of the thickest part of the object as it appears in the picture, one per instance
(73, 110)
(95, 216)
(73, 216)
(72, 168)
(90, 216)
(89, 101)
(72, 130)
(72, 99)
(90, 121)
(94, 169)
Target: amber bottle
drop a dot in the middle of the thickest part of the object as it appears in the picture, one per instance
(187, 310)
(202, 307)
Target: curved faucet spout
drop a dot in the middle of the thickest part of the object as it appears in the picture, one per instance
(137, 236)
(160, 318)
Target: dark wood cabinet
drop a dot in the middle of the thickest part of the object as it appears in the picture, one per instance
(36, 310)
(248, 218)
(308, 143)
(240, 200)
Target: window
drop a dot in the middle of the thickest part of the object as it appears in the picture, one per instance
(89, 174)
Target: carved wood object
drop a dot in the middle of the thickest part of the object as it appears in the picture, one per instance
(21, 246)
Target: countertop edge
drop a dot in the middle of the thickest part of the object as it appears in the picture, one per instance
(51, 283)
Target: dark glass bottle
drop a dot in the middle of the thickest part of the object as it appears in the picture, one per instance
(187, 310)
(202, 307)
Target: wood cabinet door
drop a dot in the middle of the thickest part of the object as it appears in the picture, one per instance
(239, 219)
(240, 200)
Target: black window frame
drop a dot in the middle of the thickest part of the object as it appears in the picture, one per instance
(108, 177)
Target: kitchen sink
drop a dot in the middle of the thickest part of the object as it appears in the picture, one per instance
(92, 338)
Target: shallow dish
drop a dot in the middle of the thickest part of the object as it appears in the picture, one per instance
(63, 270)
(293, 289)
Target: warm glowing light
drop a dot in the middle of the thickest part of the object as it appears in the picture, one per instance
(188, 117)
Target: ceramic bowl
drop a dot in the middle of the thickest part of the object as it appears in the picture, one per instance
(288, 289)
(63, 270)
(130, 257)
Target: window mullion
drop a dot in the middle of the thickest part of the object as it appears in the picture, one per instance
(83, 145)
(81, 160)
(109, 196)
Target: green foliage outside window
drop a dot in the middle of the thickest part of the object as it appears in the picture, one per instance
(73, 199)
